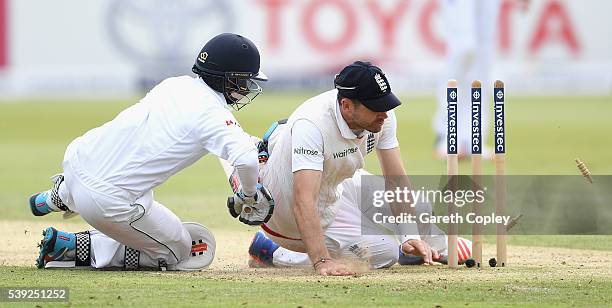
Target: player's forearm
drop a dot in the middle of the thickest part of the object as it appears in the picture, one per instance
(247, 167)
(404, 205)
(311, 233)
(306, 188)
(395, 177)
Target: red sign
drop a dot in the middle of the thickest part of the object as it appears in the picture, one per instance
(3, 34)
(554, 25)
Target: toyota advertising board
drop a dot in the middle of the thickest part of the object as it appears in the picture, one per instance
(116, 46)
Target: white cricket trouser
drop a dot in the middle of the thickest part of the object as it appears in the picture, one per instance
(119, 220)
(355, 236)
(470, 27)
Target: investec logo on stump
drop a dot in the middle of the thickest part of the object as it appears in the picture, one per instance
(451, 134)
(303, 151)
(476, 124)
(500, 138)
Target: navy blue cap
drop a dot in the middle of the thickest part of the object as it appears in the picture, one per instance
(368, 84)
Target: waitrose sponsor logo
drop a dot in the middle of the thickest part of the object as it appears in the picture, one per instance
(303, 151)
(346, 152)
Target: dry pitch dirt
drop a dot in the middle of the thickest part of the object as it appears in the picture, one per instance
(20, 238)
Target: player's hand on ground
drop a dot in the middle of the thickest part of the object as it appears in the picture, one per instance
(333, 268)
(421, 248)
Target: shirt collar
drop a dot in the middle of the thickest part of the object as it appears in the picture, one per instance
(345, 131)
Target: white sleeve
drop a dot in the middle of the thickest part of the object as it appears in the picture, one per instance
(388, 136)
(306, 146)
(222, 136)
(248, 171)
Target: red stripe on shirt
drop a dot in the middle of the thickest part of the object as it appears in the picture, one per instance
(271, 232)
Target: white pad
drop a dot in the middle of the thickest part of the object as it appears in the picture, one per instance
(60, 264)
(64, 264)
(203, 247)
(202, 251)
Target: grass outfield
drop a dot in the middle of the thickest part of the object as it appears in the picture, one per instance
(544, 135)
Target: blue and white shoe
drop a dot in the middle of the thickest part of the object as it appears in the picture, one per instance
(39, 204)
(261, 251)
(56, 246)
(45, 202)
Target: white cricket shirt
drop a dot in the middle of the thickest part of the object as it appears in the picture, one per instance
(175, 124)
(317, 137)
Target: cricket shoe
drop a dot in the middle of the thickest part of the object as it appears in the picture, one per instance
(45, 202)
(464, 252)
(56, 246)
(261, 251)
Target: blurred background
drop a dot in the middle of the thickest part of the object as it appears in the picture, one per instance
(67, 66)
(121, 47)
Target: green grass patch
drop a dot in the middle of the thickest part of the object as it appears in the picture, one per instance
(544, 135)
(405, 286)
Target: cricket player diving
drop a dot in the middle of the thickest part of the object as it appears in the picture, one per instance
(313, 172)
(110, 172)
